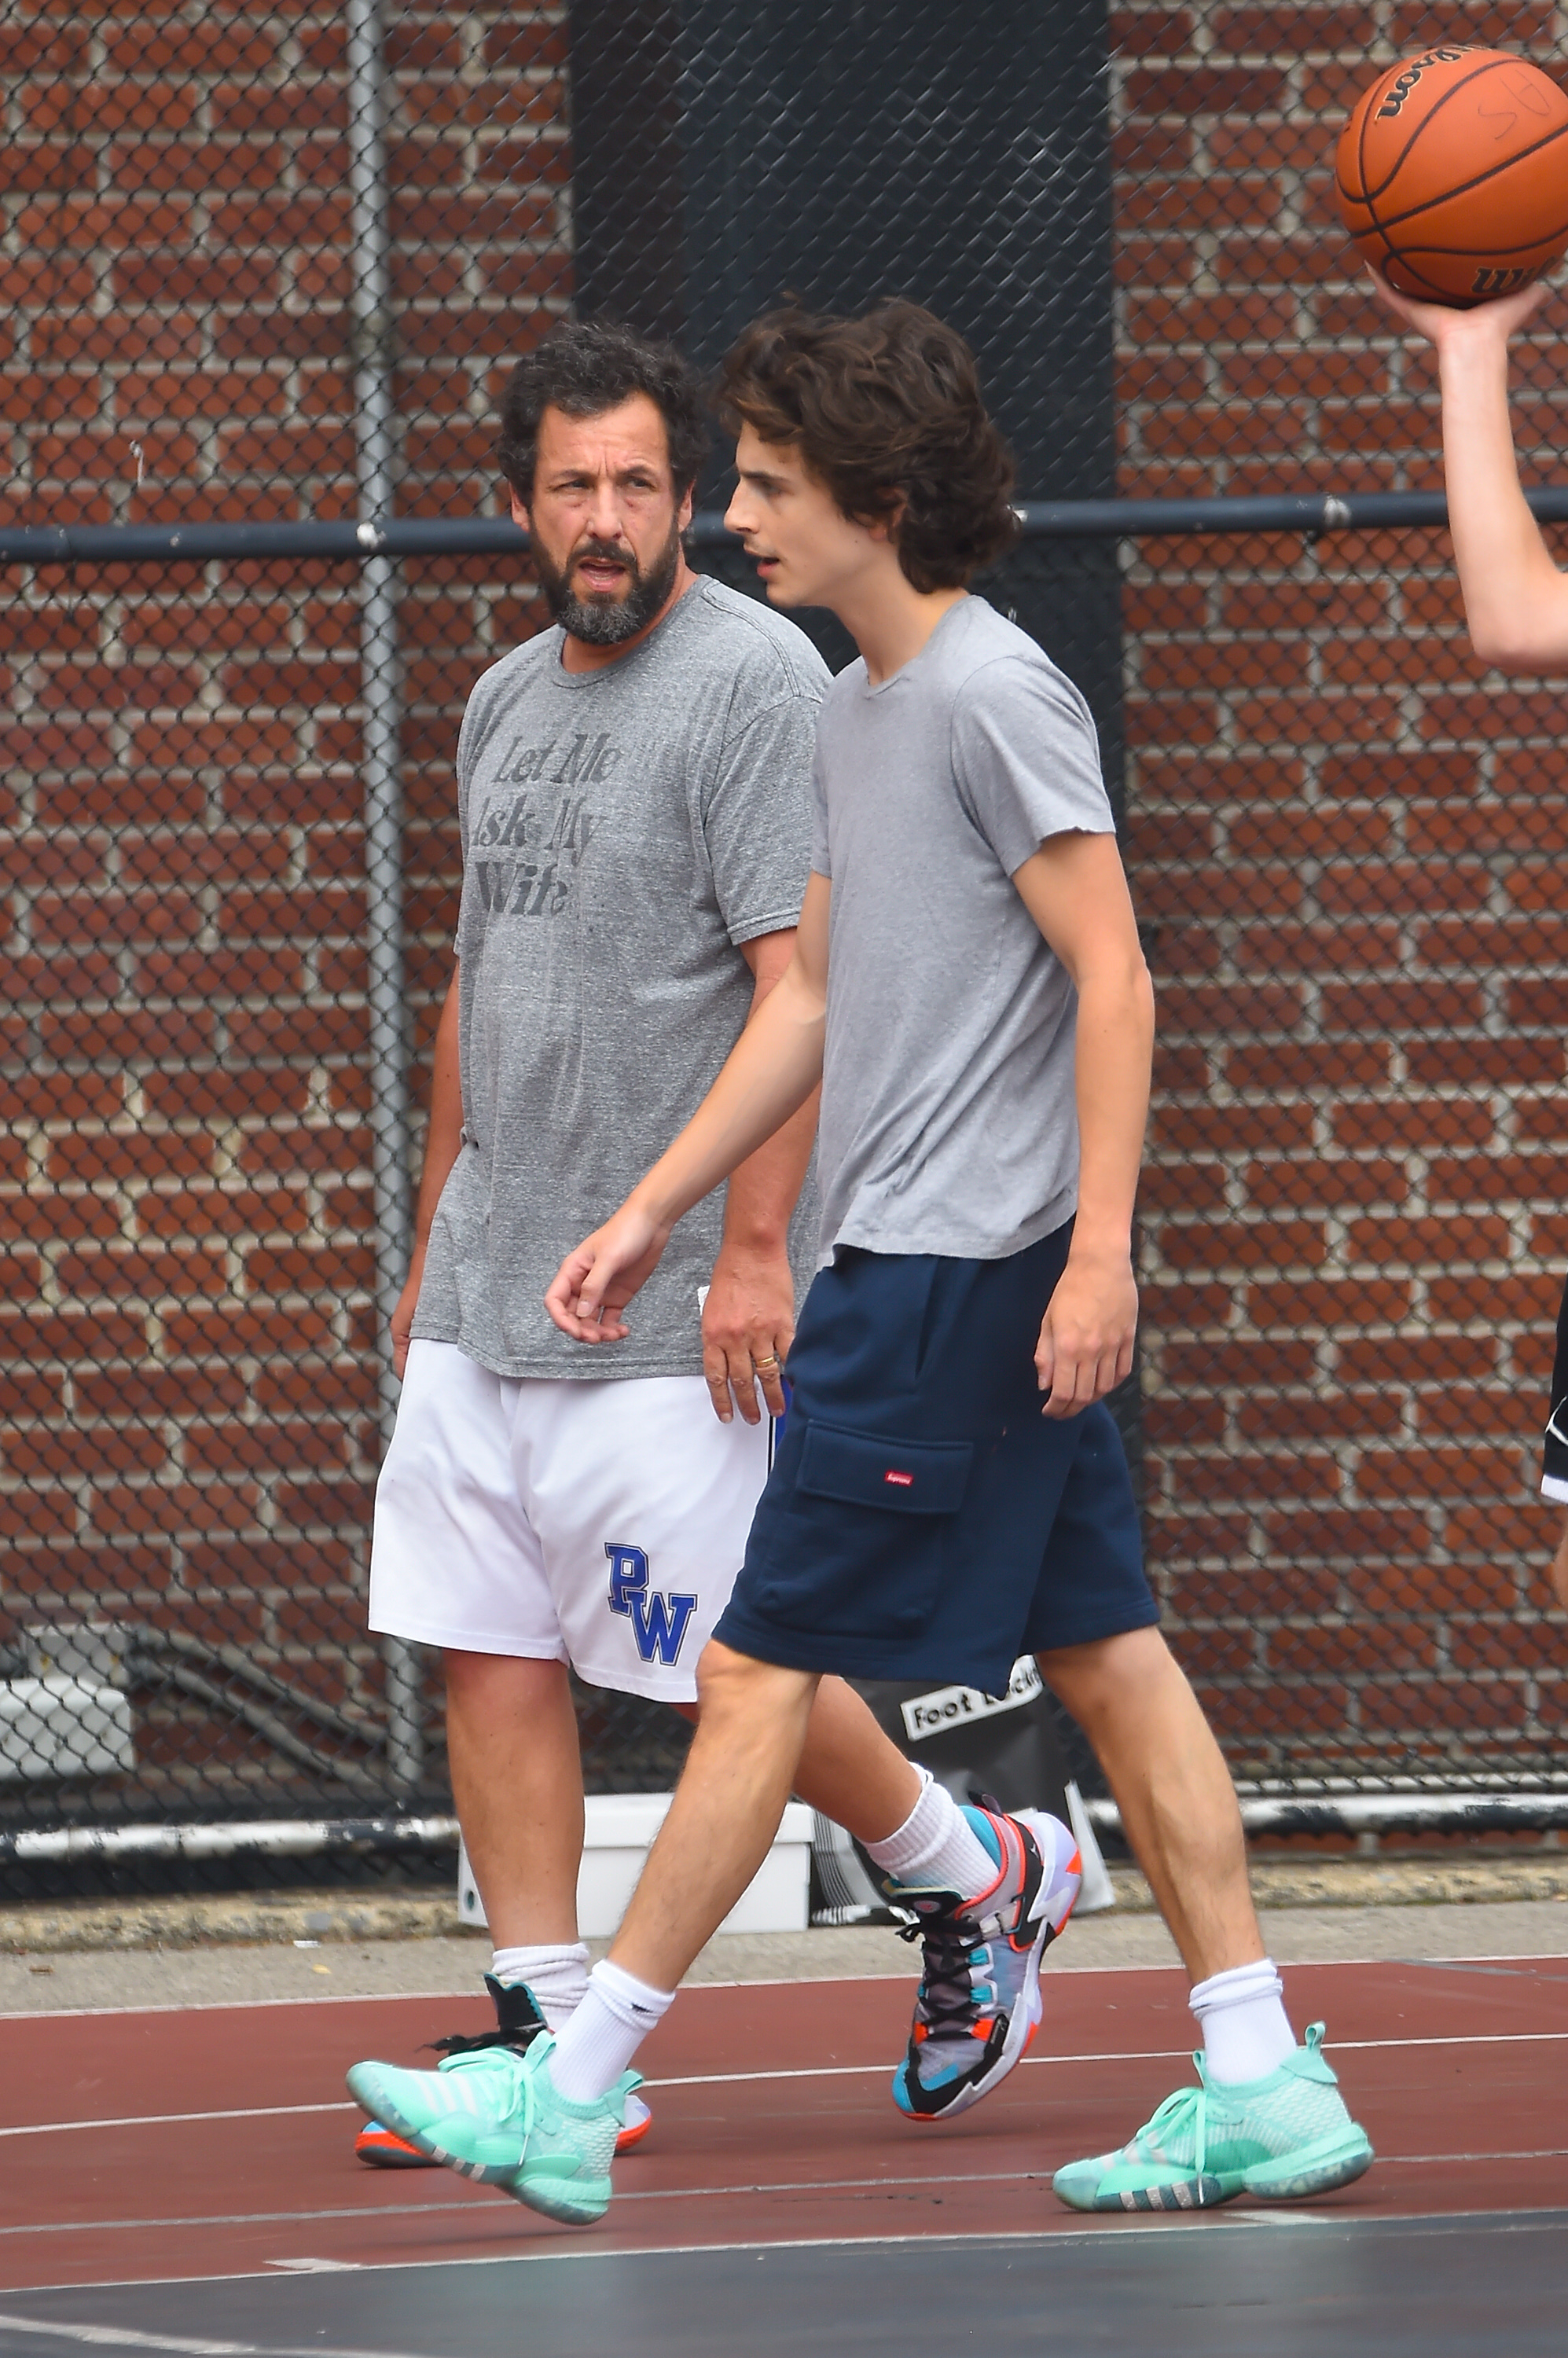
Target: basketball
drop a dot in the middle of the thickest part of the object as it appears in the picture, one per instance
(1452, 175)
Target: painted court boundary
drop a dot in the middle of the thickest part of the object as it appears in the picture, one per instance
(706, 2193)
(808, 2072)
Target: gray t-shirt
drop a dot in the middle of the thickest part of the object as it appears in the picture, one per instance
(948, 1123)
(624, 831)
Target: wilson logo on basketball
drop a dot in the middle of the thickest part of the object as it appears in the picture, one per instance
(1411, 75)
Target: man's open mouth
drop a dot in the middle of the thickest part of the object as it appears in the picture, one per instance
(598, 574)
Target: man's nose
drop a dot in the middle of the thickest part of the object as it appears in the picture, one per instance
(604, 518)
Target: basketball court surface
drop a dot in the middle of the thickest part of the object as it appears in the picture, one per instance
(181, 2179)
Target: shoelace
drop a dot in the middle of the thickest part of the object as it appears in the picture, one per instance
(518, 2023)
(1175, 2114)
(474, 2056)
(520, 2091)
(947, 1992)
(461, 2043)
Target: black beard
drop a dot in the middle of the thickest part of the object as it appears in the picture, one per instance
(609, 621)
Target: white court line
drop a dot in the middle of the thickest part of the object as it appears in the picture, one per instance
(825, 1981)
(167, 2120)
(1539, 2220)
(125, 2337)
(807, 2072)
(367, 2214)
(1128, 2055)
(482, 2197)
(438, 1997)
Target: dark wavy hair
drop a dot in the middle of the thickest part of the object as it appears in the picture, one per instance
(585, 367)
(886, 411)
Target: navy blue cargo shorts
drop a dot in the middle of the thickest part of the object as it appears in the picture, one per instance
(923, 1518)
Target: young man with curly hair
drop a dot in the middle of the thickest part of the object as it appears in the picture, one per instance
(968, 985)
(633, 790)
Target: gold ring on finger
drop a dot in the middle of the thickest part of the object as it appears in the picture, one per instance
(765, 1366)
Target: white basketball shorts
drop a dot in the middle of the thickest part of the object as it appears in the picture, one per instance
(596, 1523)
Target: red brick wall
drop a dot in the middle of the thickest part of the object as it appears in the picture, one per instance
(1349, 839)
(187, 1346)
(1345, 836)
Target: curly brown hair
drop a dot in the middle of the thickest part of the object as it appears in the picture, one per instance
(886, 411)
(585, 367)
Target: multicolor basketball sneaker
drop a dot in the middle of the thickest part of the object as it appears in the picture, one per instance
(979, 2002)
(518, 2022)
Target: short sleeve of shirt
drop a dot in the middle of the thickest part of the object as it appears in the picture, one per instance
(757, 822)
(1026, 759)
(821, 861)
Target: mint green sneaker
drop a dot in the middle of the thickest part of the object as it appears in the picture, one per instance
(497, 2116)
(1278, 2140)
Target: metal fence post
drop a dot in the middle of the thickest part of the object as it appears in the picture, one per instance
(374, 429)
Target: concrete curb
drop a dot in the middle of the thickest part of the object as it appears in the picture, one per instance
(1379, 1883)
(260, 1920)
(239, 1920)
(250, 1920)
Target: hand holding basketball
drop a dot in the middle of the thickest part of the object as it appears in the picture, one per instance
(1452, 175)
(1444, 326)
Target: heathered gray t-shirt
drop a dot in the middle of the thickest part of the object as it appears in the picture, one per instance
(624, 831)
(948, 1117)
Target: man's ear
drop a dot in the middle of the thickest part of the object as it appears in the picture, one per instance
(683, 514)
(885, 526)
(519, 512)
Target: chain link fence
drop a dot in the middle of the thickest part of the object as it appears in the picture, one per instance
(265, 269)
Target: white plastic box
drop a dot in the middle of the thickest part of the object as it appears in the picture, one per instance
(62, 1729)
(620, 1828)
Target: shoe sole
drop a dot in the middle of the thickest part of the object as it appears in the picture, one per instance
(552, 2199)
(1026, 2019)
(389, 2156)
(382, 2149)
(1292, 2180)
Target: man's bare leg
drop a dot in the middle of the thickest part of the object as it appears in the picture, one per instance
(1173, 1788)
(741, 1770)
(851, 1769)
(517, 1784)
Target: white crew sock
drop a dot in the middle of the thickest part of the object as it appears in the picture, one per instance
(938, 1846)
(557, 1973)
(598, 2042)
(1246, 2031)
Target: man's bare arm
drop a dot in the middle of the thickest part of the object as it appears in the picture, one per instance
(1075, 890)
(443, 1144)
(767, 1078)
(1516, 601)
(748, 1320)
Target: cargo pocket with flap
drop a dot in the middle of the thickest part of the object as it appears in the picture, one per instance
(872, 1561)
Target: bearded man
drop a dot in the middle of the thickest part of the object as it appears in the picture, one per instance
(632, 790)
